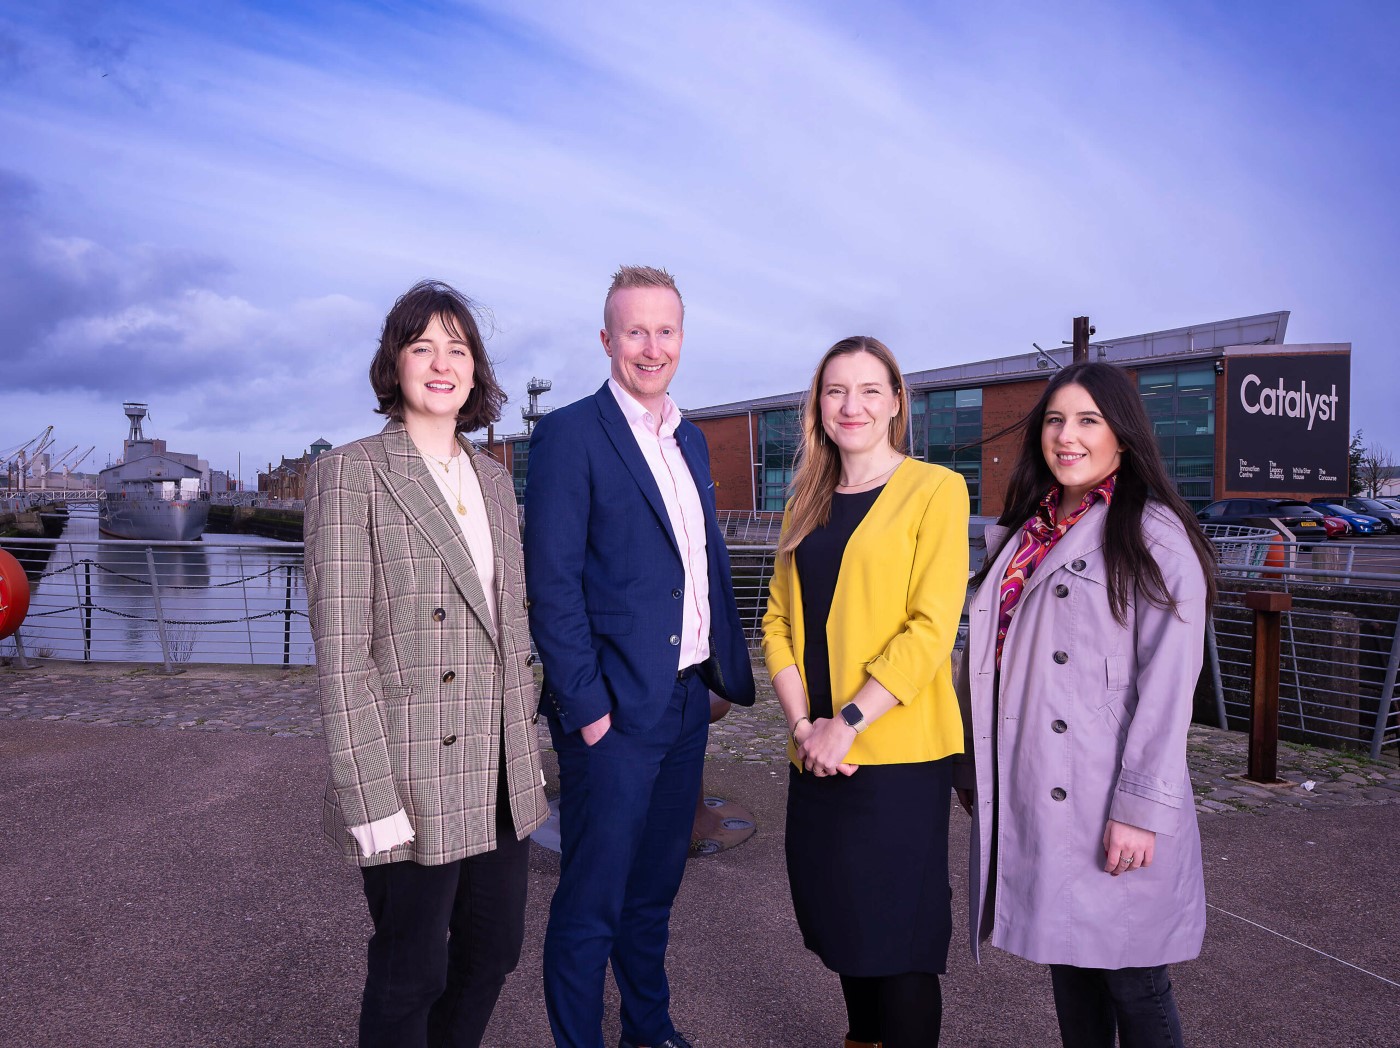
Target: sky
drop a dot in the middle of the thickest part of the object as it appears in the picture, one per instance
(210, 207)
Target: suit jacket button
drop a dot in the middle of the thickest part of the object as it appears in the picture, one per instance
(1059, 727)
(1061, 657)
(675, 641)
(527, 602)
(677, 594)
(1078, 565)
(449, 677)
(530, 659)
(1058, 793)
(439, 615)
(449, 740)
(1062, 590)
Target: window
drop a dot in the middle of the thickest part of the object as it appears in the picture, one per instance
(779, 434)
(1180, 404)
(519, 463)
(943, 423)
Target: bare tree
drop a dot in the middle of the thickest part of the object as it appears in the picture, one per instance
(1375, 468)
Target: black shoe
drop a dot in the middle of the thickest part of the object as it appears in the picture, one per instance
(674, 1041)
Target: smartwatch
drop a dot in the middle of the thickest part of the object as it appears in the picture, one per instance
(850, 713)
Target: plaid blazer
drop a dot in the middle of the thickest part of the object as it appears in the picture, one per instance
(420, 697)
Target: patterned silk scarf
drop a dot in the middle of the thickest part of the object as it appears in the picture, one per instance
(1038, 538)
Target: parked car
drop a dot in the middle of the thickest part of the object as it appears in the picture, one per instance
(1294, 520)
(1373, 508)
(1336, 527)
(1361, 523)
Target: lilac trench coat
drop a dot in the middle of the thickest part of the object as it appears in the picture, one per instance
(1092, 726)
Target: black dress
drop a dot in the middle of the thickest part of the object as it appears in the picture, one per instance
(867, 855)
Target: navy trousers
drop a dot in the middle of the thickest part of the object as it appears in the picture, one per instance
(626, 809)
(1137, 1004)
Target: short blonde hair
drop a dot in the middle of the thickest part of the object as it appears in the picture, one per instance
(640, 276)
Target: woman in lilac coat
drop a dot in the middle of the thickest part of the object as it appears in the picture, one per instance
(1085, 641)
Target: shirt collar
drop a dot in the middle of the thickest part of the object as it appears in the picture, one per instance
(639, 416)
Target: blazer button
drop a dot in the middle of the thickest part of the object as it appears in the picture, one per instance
(449, 677)
(527, 602)
(1078, 565)
(678, 594)
(675, 641)
(1058, 793)
(1061, 657)
(439, 615)
(1059, 727)
(449, 740)
(1062, 590)
(530, 659)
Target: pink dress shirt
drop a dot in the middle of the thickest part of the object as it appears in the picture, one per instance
(657, 440)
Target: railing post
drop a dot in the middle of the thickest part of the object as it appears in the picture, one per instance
(287, 622)
(1216, 682)
(1263, 713)
(20, 656)
(87, 610)
(1392, 665)
(160, 615)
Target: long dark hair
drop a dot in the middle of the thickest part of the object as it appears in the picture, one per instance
(1141, 476)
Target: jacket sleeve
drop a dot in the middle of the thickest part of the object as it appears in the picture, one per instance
(1153, 785)
(339, 590)
(779, 651)
(936, 592)
(558, 492)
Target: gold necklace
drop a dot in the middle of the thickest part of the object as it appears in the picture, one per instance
(871, 480)
(447, 472)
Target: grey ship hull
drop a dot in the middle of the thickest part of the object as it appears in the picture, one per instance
(160, 519)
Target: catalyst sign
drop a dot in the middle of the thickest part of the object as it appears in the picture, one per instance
(1286, 422)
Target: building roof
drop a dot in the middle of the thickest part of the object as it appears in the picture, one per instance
(1156, 347)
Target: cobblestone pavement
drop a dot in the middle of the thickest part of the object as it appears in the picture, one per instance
(282, 703)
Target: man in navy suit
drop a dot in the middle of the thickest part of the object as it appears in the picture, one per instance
(632, 610)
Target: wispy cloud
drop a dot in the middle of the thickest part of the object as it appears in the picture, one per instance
(217, 204)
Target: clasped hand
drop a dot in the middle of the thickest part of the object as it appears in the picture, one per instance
(822, 746)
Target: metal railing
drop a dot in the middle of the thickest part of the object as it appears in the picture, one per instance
(241, 602)
(167, 602)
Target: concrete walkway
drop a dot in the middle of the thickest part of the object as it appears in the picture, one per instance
(166, 884)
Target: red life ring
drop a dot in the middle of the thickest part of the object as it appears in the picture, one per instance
(14, 594)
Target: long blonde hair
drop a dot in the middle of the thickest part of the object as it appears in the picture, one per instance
(818, 466)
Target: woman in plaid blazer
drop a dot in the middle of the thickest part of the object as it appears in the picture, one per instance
(416, 593)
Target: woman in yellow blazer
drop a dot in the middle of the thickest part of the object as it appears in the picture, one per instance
(863, 609)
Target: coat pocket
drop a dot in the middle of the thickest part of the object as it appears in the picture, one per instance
(610, 622)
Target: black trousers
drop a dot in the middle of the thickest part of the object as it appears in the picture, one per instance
(1136, 1003)
(445, 938)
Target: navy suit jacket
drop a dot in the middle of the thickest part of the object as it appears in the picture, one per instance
(604, 575)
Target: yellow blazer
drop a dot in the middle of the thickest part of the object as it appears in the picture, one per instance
(894, 615)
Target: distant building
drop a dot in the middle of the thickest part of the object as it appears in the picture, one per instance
(1235, 411)
(287, 480)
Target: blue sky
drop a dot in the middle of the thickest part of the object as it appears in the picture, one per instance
(210, 207)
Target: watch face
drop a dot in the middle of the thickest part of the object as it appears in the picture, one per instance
(851, 714)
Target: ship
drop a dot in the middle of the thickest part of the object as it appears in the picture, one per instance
(153, 493)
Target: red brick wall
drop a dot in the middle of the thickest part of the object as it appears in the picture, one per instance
(1002, 406)
(731, 459)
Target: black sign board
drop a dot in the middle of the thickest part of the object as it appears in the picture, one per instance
(1286, 423)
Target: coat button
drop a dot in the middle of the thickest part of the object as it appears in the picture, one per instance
(1062, 590)
(1058, 793)
(449, 677)
(1078, 565)
(527, 603)
(530, 659)
(674, 640)
(1059, 727)
(1061, 657)
(677, 594)
(439, 615)
(449, 740)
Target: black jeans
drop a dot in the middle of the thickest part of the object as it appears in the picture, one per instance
(1137, 1003)
(445, 938)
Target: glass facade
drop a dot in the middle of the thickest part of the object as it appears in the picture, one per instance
(779, 433)
(519, 462)
(943, 423)
(1180, 403)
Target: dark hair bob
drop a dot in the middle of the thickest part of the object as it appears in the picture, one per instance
(405, 324)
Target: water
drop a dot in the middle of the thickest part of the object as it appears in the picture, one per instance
(226, 598)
